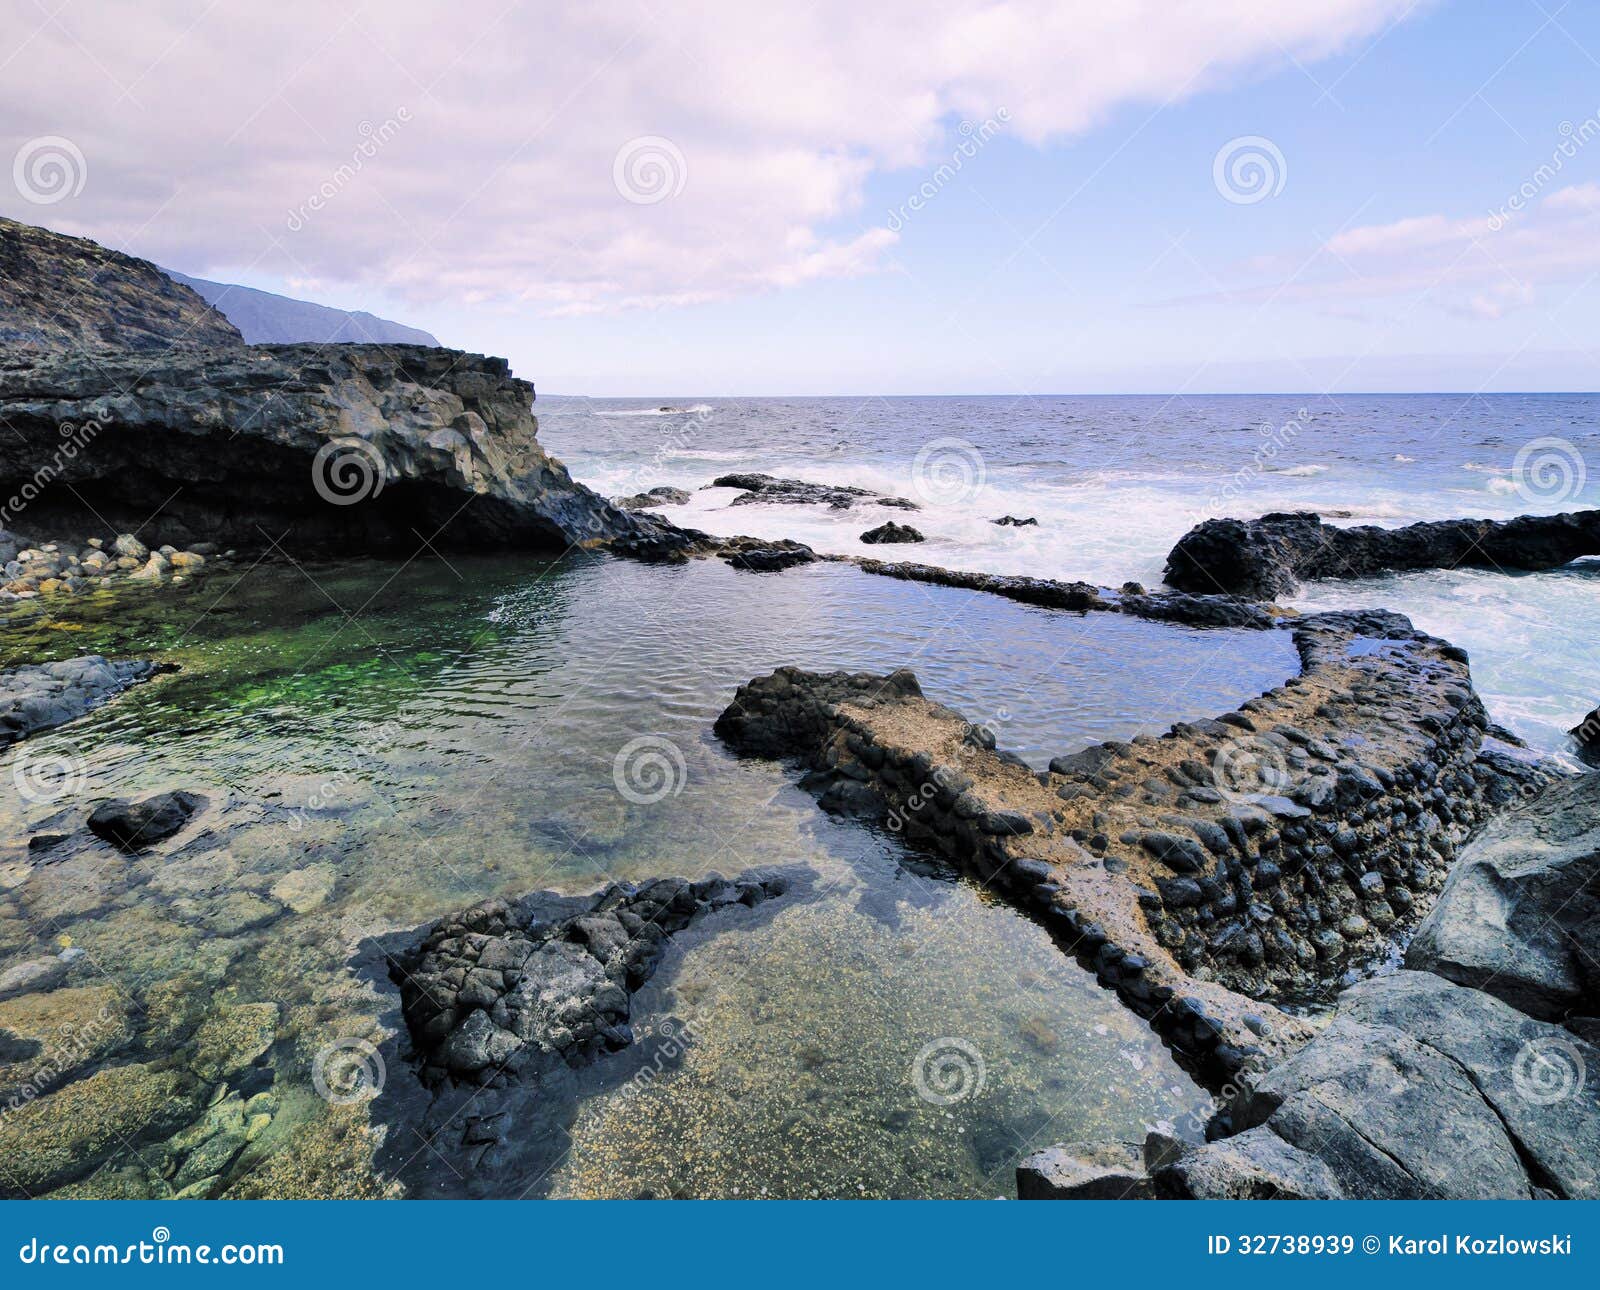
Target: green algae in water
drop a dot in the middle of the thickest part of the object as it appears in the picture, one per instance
(382, 745)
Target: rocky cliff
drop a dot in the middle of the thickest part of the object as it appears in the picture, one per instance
(59, 292)
(130, 405)
(344, 448)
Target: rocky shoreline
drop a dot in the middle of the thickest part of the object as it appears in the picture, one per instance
(40, 696)
(1465, 1075)
(1227, 880)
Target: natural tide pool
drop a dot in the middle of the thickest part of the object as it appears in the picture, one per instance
(383, 744)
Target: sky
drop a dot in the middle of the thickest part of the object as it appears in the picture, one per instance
(670, 199)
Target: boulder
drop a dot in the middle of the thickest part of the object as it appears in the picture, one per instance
(1520, 905)
(1085, 1171)
(1541, 1081)
(1587, 736)
(133, 826)
(891, 532)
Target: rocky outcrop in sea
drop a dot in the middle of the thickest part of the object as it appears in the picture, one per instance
(348, 449)
(1271, 556)
(756, 488)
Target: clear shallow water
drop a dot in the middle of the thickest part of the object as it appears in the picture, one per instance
(406, 741)
(1115, 481)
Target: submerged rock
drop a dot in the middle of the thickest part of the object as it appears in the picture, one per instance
(50, 1140)
(498, 991)
(1270, 556)
(1014, 522)
(509, 1007)
(133, 826)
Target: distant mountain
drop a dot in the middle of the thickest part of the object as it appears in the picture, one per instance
(68, 293)
(267, 319)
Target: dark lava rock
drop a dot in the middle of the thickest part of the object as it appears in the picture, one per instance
(1013, 522)
(891, 532)
(1587, 734)
(664, 495)
(38, 696)
(767, 488)
(68, 293)
(505, 988)
(1270, 556)
(349, 448)
(133, 826)
(757, 555)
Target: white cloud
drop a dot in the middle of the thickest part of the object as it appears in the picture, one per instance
(205, 138)
(1474, 266)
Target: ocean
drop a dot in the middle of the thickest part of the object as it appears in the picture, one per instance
(1114, 481)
